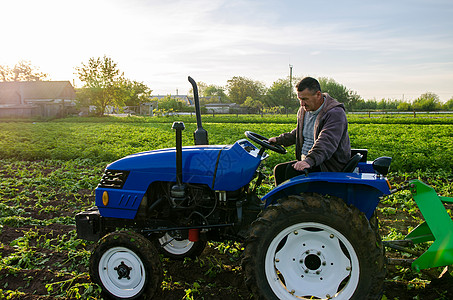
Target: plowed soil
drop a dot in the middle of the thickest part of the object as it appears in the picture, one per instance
(214, 275)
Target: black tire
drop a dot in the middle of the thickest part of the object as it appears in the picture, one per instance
(313, 246)
(179, 249)
(374, 223)
(126, 266)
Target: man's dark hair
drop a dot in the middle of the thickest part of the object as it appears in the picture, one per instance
(308, 83)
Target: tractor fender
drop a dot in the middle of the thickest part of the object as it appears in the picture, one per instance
(363, 190)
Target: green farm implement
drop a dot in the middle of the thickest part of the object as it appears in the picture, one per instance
(437, 228)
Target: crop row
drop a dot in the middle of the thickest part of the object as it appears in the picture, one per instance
(412, 146)
(41, 257)
(40, 254)
(353, 118)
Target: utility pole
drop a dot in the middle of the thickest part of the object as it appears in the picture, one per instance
(290, 86)
(290, 75)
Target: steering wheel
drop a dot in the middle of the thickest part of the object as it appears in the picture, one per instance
(263, 141)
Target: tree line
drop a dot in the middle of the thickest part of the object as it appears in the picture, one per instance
(22, 71)
(281, 96)
(105, 85)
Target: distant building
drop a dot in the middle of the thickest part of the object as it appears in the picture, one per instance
(36, 98)
(188, 99)
(211, 103)
(222, 108)
(177, 97)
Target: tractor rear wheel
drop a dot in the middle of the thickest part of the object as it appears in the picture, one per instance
(126, 266)
(313, 247)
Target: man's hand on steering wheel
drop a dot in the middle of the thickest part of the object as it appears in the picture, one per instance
(272, 140)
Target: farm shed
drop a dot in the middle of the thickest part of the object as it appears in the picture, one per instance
(35, 98)
(221, 108)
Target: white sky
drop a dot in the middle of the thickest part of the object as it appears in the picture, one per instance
(380, 49)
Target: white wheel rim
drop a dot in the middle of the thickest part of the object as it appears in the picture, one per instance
(312, 263)
(174, 246)
(122, 272)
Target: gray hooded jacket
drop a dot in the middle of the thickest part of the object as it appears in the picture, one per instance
(331, 149)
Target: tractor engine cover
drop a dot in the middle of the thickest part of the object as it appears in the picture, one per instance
(220, 167)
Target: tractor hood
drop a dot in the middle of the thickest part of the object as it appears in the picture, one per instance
(221, 167)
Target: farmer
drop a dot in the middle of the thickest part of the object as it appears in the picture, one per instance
(321, 135)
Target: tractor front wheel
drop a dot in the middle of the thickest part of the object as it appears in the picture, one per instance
(126, 266)
(312, 247)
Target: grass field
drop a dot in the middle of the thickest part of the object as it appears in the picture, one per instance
(48, 172)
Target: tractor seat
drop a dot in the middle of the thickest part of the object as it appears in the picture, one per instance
(352, 163)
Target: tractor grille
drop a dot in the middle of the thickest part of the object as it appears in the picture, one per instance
(113, 179)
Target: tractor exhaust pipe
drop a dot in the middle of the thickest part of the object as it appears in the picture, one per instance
(200, 136)
(178, 190)
(179, 127)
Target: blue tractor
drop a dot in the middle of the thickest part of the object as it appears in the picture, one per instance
(314, 236)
